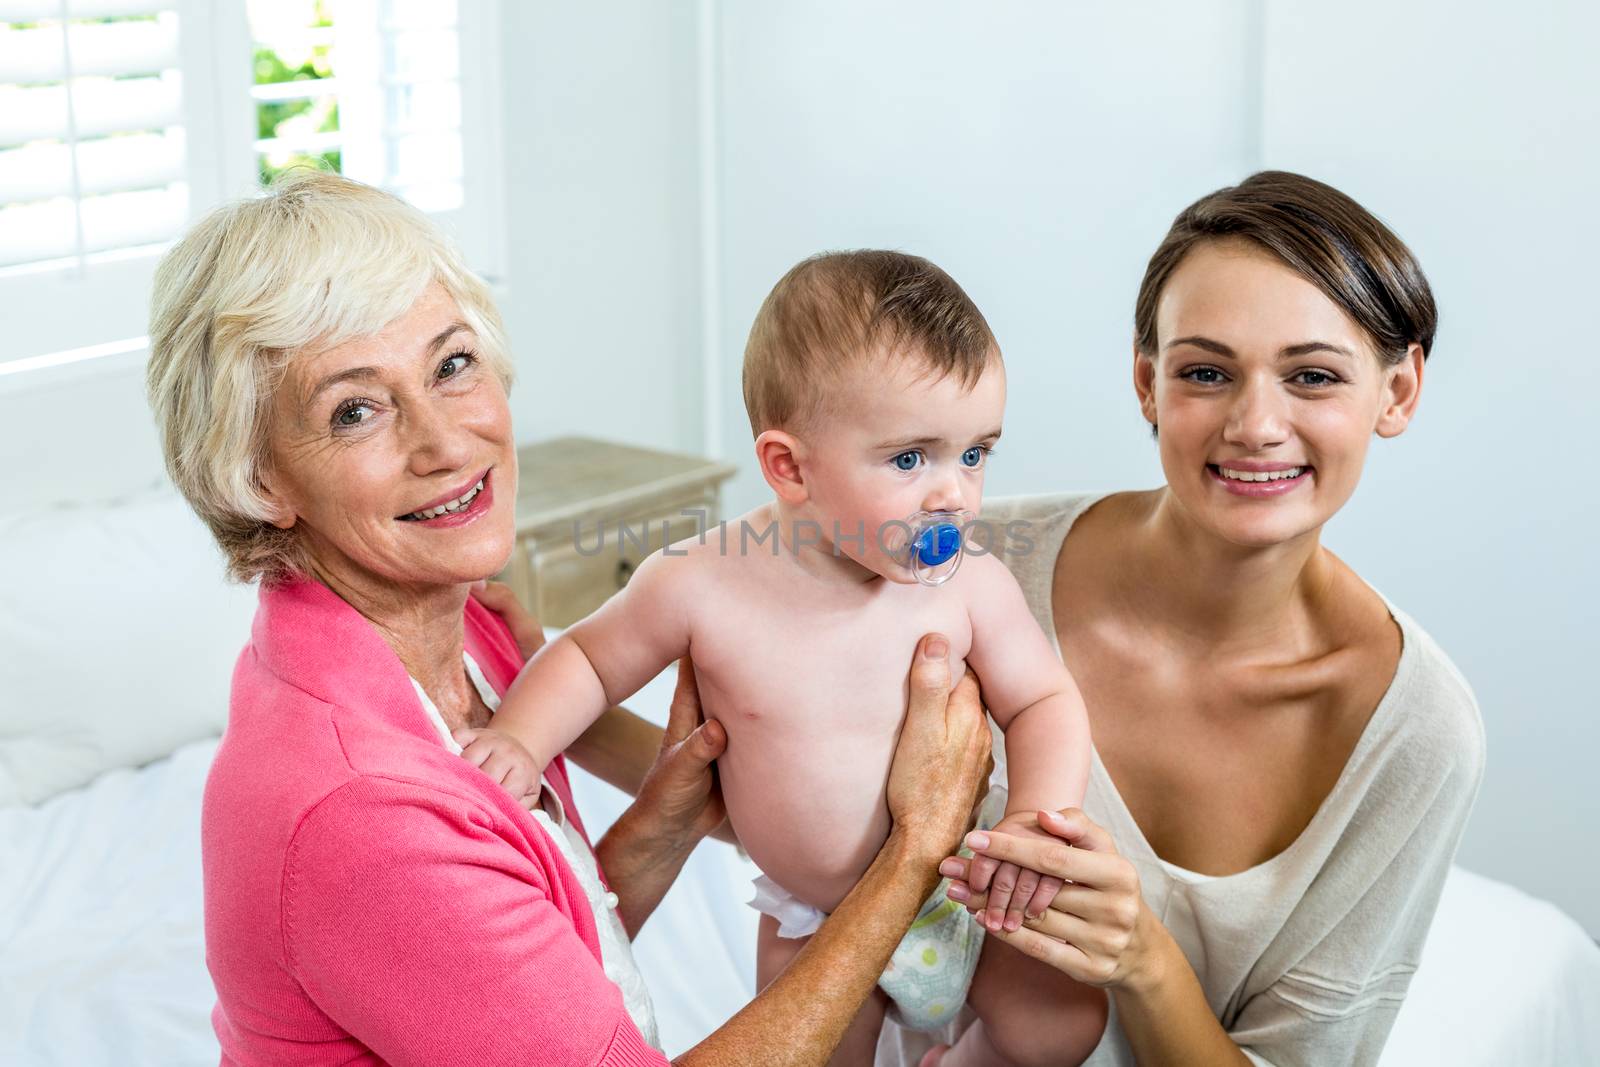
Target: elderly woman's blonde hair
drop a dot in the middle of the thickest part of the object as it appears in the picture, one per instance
(317, 261)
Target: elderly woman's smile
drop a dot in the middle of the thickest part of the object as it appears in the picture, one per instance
(393, 453)
(462, 508)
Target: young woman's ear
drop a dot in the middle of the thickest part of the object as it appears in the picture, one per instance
(1144, 384)
(780, 455)
(1401, 390)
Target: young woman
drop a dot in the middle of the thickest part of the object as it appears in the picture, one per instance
(1284, 761)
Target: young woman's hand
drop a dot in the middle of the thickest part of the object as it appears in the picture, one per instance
(1013, 892)
(1097, 929)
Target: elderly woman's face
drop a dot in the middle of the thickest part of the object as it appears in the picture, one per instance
(392, 455)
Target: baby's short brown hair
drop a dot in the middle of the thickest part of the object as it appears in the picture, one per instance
(835, 309)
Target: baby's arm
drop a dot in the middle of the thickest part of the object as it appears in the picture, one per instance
(1030, 693)
(602, 659)
(1033, 698)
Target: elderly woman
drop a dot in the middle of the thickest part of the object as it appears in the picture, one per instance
(330, 386)
(1283, 760)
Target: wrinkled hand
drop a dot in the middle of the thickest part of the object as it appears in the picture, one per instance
(1014, 892)
(498, 597)
(941, 762)
(504, 759)
(1097, 930)
(681, 790)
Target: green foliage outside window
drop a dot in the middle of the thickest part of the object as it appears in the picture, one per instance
(296, 119)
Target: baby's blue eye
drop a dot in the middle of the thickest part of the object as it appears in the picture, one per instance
(973, 457)
(908, 461)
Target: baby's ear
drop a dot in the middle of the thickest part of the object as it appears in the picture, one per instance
(779, 455)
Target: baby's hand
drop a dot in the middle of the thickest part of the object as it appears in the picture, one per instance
(503, 759)
(1015, 890)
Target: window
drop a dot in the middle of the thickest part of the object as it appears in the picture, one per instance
(294, 91)
(91, 135)
(123, 120)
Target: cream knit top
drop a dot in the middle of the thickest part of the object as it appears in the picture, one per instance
(1304, 958)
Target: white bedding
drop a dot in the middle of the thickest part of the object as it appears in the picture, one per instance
(100, 933)
(101, 953)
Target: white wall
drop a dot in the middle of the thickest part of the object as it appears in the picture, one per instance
(1473, 131)
(603, 223)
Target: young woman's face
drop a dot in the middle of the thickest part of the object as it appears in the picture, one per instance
(1266, 395)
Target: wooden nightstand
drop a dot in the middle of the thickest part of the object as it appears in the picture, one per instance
(588, 512)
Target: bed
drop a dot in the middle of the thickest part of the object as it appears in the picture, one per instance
(101, 948)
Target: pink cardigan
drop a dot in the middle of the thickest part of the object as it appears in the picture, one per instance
(371, 898)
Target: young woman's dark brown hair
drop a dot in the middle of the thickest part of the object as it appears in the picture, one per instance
(1326, 237)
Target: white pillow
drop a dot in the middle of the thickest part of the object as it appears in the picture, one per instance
(119, 633)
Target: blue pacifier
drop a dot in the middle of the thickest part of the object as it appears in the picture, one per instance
(938, 543)
(934, 547)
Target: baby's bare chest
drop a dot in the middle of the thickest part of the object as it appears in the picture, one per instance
(780, 667)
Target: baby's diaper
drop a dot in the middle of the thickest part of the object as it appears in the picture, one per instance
(931, 969)
(795, 917)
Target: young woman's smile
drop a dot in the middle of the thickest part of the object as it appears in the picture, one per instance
(1250, 478)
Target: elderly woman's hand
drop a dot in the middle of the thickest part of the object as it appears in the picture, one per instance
(678, 803)
(681, 789)
(525, 628)
(942, 762)
(1096, 928)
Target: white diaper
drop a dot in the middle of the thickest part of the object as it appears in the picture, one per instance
(931, 969)
(795, 917)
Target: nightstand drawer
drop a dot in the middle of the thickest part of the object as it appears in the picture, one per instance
(568, 577)
(589, 512)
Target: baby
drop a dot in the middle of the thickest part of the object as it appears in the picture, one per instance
(875, 390)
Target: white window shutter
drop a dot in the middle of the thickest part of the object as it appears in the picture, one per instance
(91, 135)
(416, 121)
(115, 134)
(96, 170)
